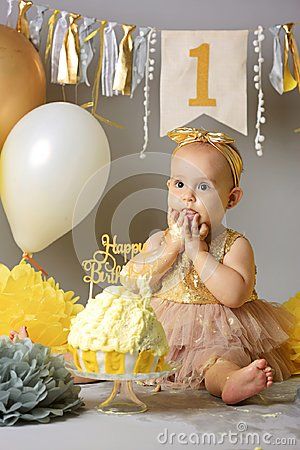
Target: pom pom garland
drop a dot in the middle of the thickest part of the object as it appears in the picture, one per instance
(258, 85)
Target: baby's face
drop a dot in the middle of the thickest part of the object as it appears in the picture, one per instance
(201, 181)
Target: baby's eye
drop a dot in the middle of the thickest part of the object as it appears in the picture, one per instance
(179, 184)
(203, 186)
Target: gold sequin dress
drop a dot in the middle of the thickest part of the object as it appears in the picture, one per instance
(200, 329)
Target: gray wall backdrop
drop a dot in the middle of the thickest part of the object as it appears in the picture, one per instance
(269, 213)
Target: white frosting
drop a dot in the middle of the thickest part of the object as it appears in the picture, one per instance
(118, 320)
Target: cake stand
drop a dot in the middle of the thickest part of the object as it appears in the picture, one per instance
(122, 399)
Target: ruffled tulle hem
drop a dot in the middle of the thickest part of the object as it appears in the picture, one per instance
(200, 334)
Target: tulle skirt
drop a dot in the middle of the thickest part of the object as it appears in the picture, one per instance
(200, 334)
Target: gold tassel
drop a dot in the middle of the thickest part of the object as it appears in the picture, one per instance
(95, 92)
(70, 54)
(122, 80)
(290, 81)
(51, 22)
(22, 23)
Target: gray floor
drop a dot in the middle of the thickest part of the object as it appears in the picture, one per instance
(257, 422)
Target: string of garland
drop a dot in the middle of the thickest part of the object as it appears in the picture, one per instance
(122, 67)
(70, 49)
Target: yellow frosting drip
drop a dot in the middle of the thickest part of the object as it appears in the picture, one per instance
(90, 361)
(114, 363)
(75, 357)
(144, 362)
(161, 365)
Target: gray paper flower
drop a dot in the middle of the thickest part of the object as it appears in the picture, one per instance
(34, 385)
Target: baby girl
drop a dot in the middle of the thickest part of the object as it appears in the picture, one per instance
(202, 276)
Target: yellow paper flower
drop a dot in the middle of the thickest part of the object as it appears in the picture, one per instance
(293, 306)
(39, 304)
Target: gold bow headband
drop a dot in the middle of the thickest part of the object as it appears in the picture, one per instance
(221, 141)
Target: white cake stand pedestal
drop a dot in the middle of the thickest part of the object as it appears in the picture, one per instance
(122, 399)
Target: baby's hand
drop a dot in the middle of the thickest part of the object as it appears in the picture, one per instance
(174, 237)
(21, 334)
(195, 237)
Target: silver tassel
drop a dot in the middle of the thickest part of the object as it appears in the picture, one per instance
(139, 58)
(86, 48)
(276, 74)
(36, 24)
(10, 7)
(60, 31)
(110, 58)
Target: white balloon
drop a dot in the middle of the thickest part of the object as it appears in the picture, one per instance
(46, 160)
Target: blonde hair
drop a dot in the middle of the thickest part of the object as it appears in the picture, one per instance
(222, 142)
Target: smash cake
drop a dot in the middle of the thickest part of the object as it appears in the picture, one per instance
(118, 333)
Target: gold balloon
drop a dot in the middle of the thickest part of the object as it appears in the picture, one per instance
(22, 79)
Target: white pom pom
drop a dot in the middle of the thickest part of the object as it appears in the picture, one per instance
(153, 34)
(145, 102)
(153, 41)
(256, 68)
(256, 32)
(151, 69)
(257, 146)
(256, 78)
(260, 28)
(152, 50)
(255, 43)
(261, 37)
(256, 85)
(262, 102)
(142, 33)
(142, 155)
(150, 76)
(151, 61)
(262, 109)
(262, 120)
(259, 152)
(261, 138)
(256, 49)
(261, 60)
(145, 127)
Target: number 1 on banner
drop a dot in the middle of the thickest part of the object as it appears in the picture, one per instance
(202, 54)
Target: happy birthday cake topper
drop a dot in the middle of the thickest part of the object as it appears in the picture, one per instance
(103, 266)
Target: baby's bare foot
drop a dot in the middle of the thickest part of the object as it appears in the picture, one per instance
(248, 381)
